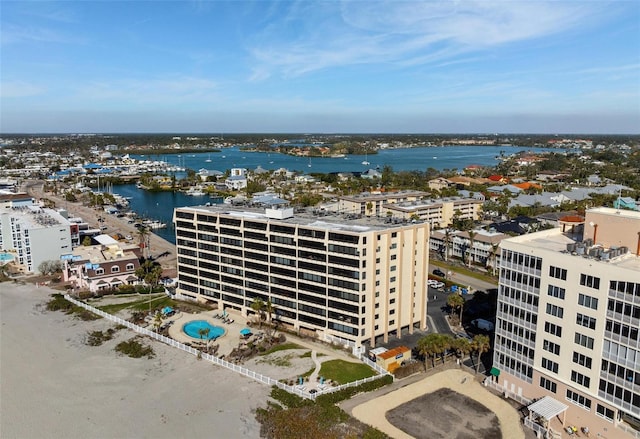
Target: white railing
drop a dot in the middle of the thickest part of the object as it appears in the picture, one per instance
(219, 361)
(631, 431)
(337, 340)
(375, 366)
(507, 393)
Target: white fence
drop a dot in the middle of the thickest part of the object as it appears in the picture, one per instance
(507, 393)
(219, 361)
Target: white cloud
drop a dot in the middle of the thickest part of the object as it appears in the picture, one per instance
(19, 89)
(409, 33)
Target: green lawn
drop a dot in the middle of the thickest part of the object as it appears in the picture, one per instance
(342, 372)
(463, 270)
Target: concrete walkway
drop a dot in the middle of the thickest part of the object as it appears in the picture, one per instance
(373, 412)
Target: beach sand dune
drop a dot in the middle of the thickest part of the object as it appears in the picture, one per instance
(52, 385)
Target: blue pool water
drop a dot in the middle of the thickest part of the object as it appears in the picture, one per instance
(191, 329)
(6, 257)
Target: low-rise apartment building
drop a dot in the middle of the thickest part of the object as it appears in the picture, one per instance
(438, 212)
(335, 277)
(372, 204)
(568, 321)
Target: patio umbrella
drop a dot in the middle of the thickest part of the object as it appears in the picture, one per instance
(245, 331)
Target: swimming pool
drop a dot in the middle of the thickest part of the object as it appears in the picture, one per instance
(192, 328)
(6, 257)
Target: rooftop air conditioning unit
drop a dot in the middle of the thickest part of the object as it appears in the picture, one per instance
(588, 242)
(605, 256)
(623, 250)
(571, 247)
(580, 249)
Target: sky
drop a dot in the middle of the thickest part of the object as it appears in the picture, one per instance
(320, 66)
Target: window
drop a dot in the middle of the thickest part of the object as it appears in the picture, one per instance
(554, 291)
(553, 329)
(582, 360)
(577, 377)
(587, 301)
(583, 340)
(558, 273)
(548, 384)
(604, 412)
(578, 399)
(554, 310)
(129, 267)
(100, 271)
(551, 347)
(586, 321)
(550, 365)
(590, 281)
(115, 269)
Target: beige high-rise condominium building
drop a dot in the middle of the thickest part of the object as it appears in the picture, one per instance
(337, 277)
(568, 321)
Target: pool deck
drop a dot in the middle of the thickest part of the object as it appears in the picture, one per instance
(227, 342)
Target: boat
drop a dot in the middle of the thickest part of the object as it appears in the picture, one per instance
(209, 159)
(309, 165)
(154, 224)
(338, 156)
(365, 161)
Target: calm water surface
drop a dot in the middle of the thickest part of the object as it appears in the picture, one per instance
(160, 205)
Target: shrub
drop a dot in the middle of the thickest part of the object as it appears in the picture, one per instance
(59, 303)
(341, 395)
(96, 338)
(134, 349)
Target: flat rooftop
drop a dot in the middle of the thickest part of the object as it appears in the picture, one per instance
(308, 217)
(556, 241)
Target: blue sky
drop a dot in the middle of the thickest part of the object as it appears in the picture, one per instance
(322, 67)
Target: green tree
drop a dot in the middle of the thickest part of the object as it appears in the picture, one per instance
(258, 307)
(157, 320)
(150, 273)
(86, 241)
(472, 236)
(456, 302)
(481, 344)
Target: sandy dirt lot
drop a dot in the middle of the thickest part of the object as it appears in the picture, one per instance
(449, 415)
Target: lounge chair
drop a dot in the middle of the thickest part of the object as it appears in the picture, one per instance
(230, 321)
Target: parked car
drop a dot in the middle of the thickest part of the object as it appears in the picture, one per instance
(128, 237)
(438, 272)
(482, 324)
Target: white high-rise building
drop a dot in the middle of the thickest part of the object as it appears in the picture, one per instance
(568, 322)
(336, 277)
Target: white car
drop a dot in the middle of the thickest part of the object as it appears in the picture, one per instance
(128, 237)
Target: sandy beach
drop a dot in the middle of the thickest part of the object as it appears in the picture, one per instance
(53, 385)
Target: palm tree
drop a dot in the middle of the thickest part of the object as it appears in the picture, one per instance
(456, 302)
(447, 243)
(462, 346)
(157, 321)
(143, 235)
(258, 306)
(481, 344)
(269, 310)
(472, 236)
(427, 347)
(204, 333)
